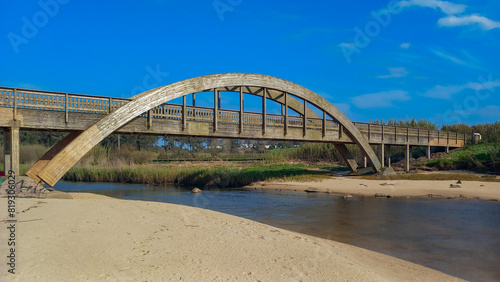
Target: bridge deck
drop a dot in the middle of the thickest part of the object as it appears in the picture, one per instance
(39, 110)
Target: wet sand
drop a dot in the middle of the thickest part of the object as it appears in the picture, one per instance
(396, 188)
(93, 237)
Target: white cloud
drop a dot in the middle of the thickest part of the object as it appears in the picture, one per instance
(487, 85)
(446, 92)
(489, 111)
(448, 57)
(395, 72)
(344, 108)
(484, 22)
(405, 45)
(448, 8)
(347, 45)
(381, 99)
(452, 10)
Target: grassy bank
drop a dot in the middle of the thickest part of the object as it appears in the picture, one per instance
(481, 157)
(225, 176)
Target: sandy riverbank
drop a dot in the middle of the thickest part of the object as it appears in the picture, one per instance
(396, 188)
(94, 237)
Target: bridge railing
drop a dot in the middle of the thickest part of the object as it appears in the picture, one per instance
(386, 132)
(55, 101)
(58, 101)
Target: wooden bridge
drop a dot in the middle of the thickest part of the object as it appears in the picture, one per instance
(91, 118)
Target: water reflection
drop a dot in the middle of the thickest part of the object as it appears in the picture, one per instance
(459, 237)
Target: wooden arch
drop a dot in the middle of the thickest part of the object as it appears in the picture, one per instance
(65, 154)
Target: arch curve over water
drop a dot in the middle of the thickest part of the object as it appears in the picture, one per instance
(74, 150)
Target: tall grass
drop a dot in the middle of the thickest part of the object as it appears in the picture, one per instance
(194, 176)
(479, 157)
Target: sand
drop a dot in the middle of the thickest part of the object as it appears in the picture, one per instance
(397, 188)
(94, 237)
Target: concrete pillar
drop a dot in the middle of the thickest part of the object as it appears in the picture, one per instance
(447, 150)
(346, 156)
(407, 157)
(428, 151)
(381, 154)
(388, 156)
(11, 150)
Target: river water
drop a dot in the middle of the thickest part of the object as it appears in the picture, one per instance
(458, 237)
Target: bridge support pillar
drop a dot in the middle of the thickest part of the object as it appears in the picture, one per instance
(447, 149)
(408, 155)
(388, 156)
(428, 151)
(11, 148)
(381, 154)
(347, 156)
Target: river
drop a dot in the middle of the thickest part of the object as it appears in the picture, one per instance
(458, 237)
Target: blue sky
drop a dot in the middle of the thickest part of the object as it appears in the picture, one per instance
(430, 59)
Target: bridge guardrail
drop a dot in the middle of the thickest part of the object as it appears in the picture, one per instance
(59, 101)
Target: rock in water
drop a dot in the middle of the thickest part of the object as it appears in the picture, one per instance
(348, 196)
(311, 190)
(328, 191)
(196, 190)
(380, 195)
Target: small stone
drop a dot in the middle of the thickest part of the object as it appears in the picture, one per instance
(311, 190)
(328, 191)
(348, 196)
(455, 186)
(380, 195)
(459, 182)
(196, 190)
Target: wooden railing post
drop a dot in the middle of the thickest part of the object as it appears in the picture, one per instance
(286, 114)
(184, 117)
(324, 124)
(110, 108)
(242, 105)
(369, 132)
(66, 107)
(15, 104)
(305, 118)
(264, 116)
(407, 134)
(215, 109)
(150, 119)
(382, 133)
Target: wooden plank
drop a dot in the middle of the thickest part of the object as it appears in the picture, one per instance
(264, 117)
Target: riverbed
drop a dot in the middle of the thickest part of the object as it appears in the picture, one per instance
(458, 237)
